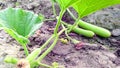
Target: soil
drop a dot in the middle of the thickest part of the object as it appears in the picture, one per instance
(96, 52)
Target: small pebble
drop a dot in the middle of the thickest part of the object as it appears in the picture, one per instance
(116, 32)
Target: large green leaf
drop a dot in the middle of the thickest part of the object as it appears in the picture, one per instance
(85, 7)
(20, 24)
(66, 3)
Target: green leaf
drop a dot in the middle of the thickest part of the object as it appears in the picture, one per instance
(85, 7)
(66, 3)
(20, 24)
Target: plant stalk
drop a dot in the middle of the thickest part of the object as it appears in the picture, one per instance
(44, 65)
(71, 14)
(53, 7)
(52, 19)
(51, 47)
(25, 49)
(59, 21)
(69, 38)
(37, 51)
(48, 50)
(46, 43)
(75, 24)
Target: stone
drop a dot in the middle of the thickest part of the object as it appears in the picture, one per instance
(116, 32)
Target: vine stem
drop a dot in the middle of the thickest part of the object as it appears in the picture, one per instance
(73, 40)
(45, 65)
(69, 38)
(71, 14)
(76, 22)
(53, 7)
(48, 50)
(74, 25)
(45, 44)
(51, 47)
(50, 19)
(25, 49)
(59, 21)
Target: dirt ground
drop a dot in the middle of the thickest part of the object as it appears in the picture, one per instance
(97, 52)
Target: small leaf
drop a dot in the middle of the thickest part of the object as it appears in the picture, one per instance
(55, 65)
(64, 41)
(66, 3)
(20, 24)
(85, 7)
